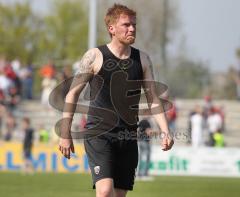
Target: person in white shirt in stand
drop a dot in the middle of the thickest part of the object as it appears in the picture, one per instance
(197, 127)
(5, 83)
(214, 123)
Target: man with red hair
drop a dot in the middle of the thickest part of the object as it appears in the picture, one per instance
(113, 155)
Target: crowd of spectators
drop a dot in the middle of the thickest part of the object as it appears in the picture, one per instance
(17, 81)
(207, 120)
(16, 85)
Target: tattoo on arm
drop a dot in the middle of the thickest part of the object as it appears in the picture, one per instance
(80, 79)
(85, 71)
(86, 62)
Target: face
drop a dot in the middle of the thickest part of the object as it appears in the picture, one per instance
(124, 30)
(24, 125)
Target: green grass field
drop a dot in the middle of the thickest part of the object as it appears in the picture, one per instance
(79, 185)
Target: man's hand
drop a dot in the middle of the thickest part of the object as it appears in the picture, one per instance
(66, 147)
(167, 142)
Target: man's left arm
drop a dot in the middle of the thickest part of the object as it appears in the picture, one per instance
(154, 103)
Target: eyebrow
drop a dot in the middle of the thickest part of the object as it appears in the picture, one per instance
(129, 23)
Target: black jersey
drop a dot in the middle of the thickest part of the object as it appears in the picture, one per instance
(28, 139)
(115, 91)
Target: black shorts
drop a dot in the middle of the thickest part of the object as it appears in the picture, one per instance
(27, 153)
(111, 157)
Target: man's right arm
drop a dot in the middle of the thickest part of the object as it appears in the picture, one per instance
(84, 74)
(81, 78)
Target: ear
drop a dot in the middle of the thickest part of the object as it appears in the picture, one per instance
(111, 29)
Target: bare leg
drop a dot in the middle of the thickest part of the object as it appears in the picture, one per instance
(28, 167)
(120, 193)
(104, 188)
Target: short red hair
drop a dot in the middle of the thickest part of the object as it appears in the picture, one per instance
(114, 13)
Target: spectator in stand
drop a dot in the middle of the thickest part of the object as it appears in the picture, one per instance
(144, 135)
(221, 112)
(207, 104)
(10, 73)
(5, 83)
(44, 136)
(48, 70)
(27, 145)
(16, 66)
(26, 75)
(197, 127)
(48, 84)
(10, 126)
(214, 123)
(218, 139)
(192, 112)
(66, 73)
(9, 84)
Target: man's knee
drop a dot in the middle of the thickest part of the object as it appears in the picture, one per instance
(104, 188)
(120, 193)
(104, 192)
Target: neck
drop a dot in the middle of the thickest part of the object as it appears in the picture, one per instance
(120, 50)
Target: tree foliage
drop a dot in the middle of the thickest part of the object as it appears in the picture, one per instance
(188, 79)
(62, 34)
(18, 31)
(67, 30)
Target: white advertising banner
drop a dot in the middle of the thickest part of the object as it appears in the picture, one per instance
(200, 161)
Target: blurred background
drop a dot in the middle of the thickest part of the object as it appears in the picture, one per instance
(195, 49)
